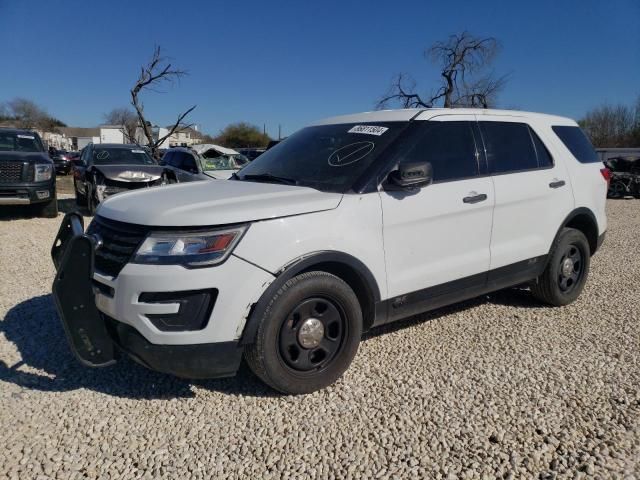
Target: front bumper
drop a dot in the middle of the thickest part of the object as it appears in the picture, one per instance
(21, 194)
(102, 315)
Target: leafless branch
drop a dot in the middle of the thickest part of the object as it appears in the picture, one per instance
(155, 73)
(462, 60)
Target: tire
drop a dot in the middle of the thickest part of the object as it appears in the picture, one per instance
(281, 358)
(91, 204)
(557, 287)
(81, 200)
(49, 209)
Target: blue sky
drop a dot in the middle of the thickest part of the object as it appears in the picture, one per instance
(291, 62)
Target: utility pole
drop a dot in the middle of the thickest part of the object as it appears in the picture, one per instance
(279, 132)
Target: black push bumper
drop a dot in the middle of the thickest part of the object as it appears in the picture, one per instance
(94, 337)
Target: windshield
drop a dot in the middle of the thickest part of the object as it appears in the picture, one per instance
(121, 156)
(212, 160)
(20, 142)
(327, 157)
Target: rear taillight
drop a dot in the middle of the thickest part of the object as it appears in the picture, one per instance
(606, 174)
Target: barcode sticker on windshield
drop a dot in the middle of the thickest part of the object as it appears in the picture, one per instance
(30, 137)
(368, 130)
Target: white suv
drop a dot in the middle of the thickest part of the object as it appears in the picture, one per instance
(350, 223)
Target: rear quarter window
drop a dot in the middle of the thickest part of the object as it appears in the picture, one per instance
(577, 143)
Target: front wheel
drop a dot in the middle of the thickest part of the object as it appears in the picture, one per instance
(308, 334)
(92, 203)
(49, 209)
(567, 269)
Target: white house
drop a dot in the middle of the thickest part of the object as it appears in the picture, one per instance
(112, 134)
(183, 138)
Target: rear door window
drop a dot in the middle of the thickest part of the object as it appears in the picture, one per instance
(509, 146)
(577, 143)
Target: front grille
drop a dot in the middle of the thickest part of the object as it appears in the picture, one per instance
(10, 172)
(119, 242)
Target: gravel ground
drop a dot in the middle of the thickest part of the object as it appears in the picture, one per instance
(495, 387)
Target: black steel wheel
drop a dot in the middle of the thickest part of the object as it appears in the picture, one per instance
(312, 334)
(566, 271)
(571, 268)
(308, 333)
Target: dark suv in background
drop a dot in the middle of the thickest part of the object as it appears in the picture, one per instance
(108, 168)
(26, 172)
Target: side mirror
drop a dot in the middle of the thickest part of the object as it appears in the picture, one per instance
(410, 175)
(77, 163)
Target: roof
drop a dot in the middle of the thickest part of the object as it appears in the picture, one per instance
(194, 133)
(202, 148)
(80, 131)
(404, 115)
(17, 130)
(118, 145)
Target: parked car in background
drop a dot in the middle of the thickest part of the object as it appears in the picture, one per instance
(353, 222)
(625, 176)
(62, 160)
(27, 174)
(108, 168)
(251, 153)
(220, 162)
(183, 165)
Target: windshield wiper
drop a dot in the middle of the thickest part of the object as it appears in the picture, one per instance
(267, 177)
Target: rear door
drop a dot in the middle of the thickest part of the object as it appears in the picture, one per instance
(532, 188)
(440, 233)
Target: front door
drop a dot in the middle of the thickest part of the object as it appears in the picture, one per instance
(437, 239)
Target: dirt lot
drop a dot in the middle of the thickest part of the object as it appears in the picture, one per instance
(495, 387)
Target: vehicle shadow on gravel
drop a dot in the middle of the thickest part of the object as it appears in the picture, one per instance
(17, 212)
(49, 365)
(511, 297)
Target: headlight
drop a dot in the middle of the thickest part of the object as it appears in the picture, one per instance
(42, 172)
(200, 249)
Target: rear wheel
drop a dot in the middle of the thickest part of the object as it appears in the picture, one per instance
(567, 269)
(308, 335)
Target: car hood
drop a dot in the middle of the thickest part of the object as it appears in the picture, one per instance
(131, 173)
(31, 157)
(218, 202)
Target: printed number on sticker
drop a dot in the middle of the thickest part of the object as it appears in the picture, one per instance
(368, 130)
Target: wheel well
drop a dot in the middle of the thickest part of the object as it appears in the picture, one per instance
(357, 283)
(587, 225)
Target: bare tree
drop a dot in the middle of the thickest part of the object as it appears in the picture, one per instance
(126, 119)
(152, 75)
(613, 125)
(25, 113)
(466, 78)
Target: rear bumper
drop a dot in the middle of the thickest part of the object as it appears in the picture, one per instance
(27, 194)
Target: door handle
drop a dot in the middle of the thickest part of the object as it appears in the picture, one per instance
(475, 198)
(557, 184)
